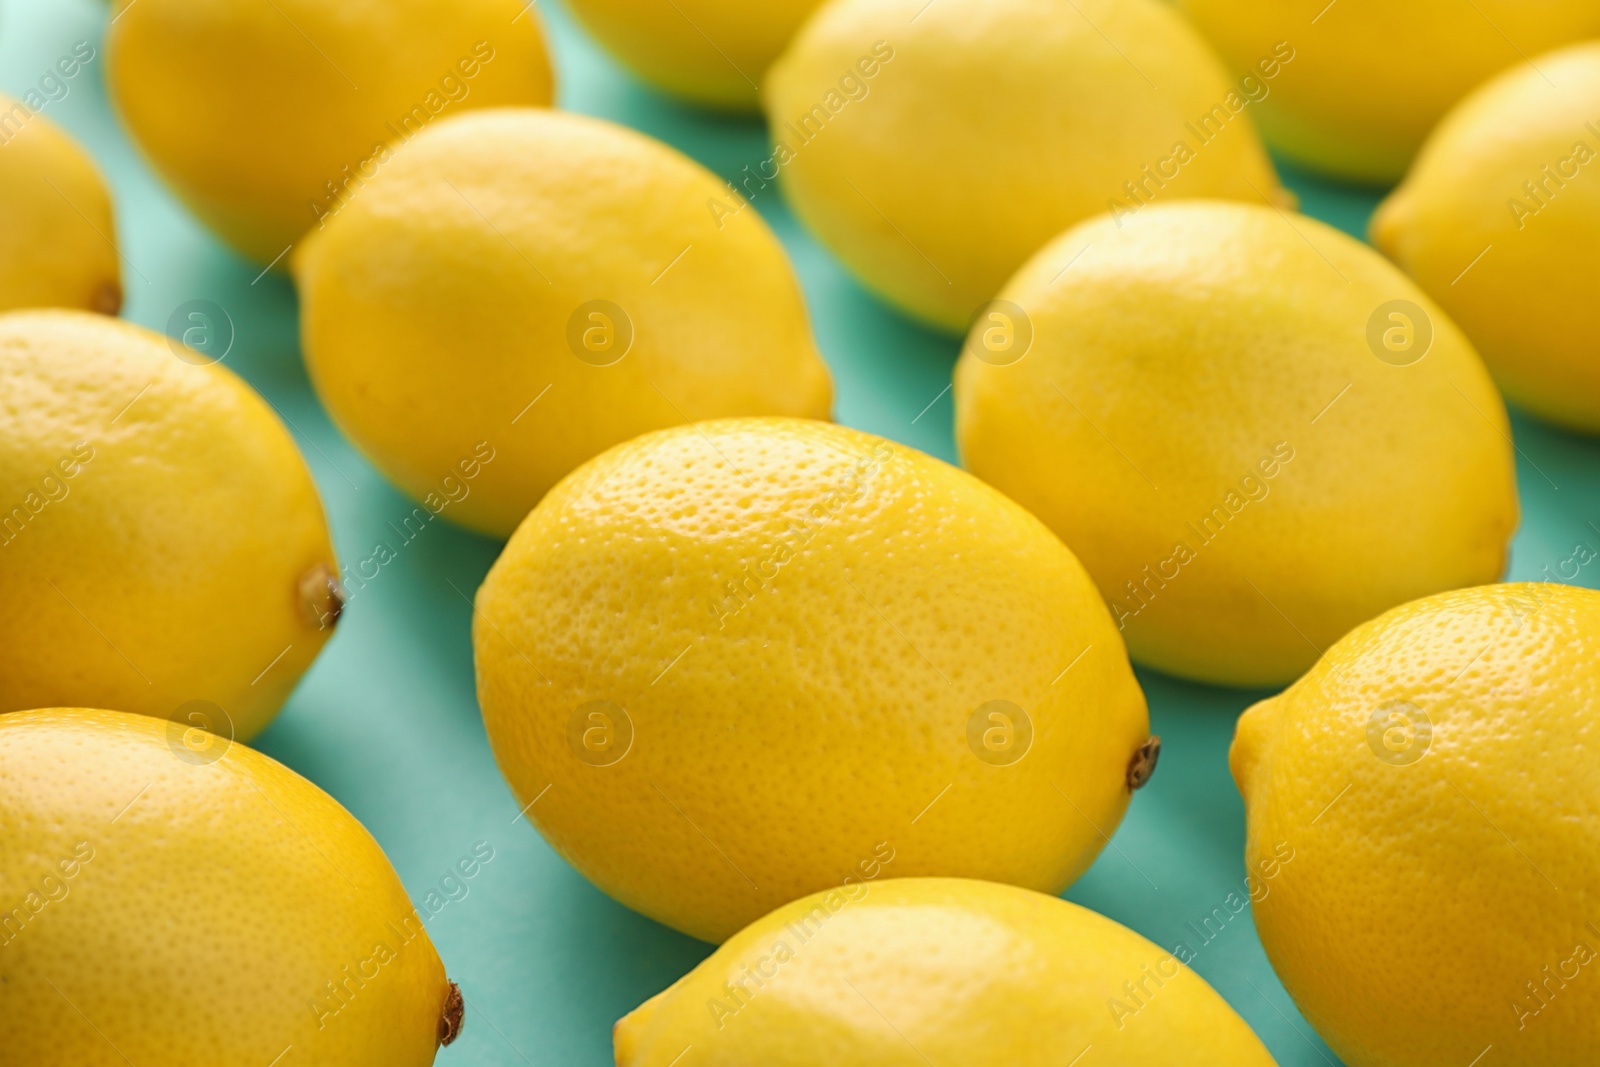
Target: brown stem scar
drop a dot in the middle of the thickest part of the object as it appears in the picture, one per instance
(453, 1017)
(321, 596)
(1143, 763)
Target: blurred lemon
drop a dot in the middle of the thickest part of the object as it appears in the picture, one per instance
(267, 116)
(1371, 77)
(754, 658)
(935, 147)
(712, 52)
(1252, 429)
(1500, 222)
(1435, 777)
(534, 287)
(58, 241)
(162, 547)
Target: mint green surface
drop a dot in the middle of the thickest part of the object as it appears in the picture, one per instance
(387, 722)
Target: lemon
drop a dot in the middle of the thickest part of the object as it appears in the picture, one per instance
(1500, 222)
(935, 147)
(162, 547)
(1435, 776)
(734, 663)
(1348, 104)
(267, 117)
(58, 241)
(916, 971)
(295, 939)
(1252, 429)
(712, 52)
(535, 287)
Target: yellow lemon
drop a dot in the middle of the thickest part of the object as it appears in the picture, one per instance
(267, 116)
(58, 241)
(1371, 77)
(1435, 776)
(1500, 222)
(162, 547)
(535, 287)
(937, 970)
(734, 663)
(171, 899)
(935, 147)
(1252, 429)
(713, 52)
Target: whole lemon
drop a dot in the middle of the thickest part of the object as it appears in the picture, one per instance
(268, 116)
(935, 147)
(58, 240)
(1370, 77)
(1500, 223)
(1252, 429)
(915, 971)
(712, 52)
(750, 659)
(1436, 776)
(162, 546)
(536, 287)
(168, 898)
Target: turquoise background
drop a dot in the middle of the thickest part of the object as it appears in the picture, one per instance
(387, 722)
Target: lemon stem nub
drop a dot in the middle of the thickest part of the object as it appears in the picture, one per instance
(1143, 763)
(322, 596)
(453, 1017)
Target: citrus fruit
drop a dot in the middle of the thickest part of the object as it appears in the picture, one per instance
(1500, 222)
(162, 546)
(935, 147)
(748, 658)
(1253, 430)
(915, 971)
(712, 52)
(267, 117)
(295, 938)
(1371, 78)
(1436, 777)
(536, 287)
(58, 241)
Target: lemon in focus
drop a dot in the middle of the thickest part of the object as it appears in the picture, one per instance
(295, 938)
(1436, 776)
(162, 546)
(267, 116)
(1254, 431)
(935, 147)
(519, 290)
(746, 660)
(1371, 78)
(57, 235)
(915, 971)
(1500, 222)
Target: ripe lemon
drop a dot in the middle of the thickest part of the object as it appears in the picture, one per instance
(935, 147)
(295, 939)
(267, 116)
(1252, 429)
(1348, 104)
(915, 971)
(537, 287)
(58, 241)
(162, 547)
(1500, 222)
(1435, 774)
(713, 52)
(749, 658)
